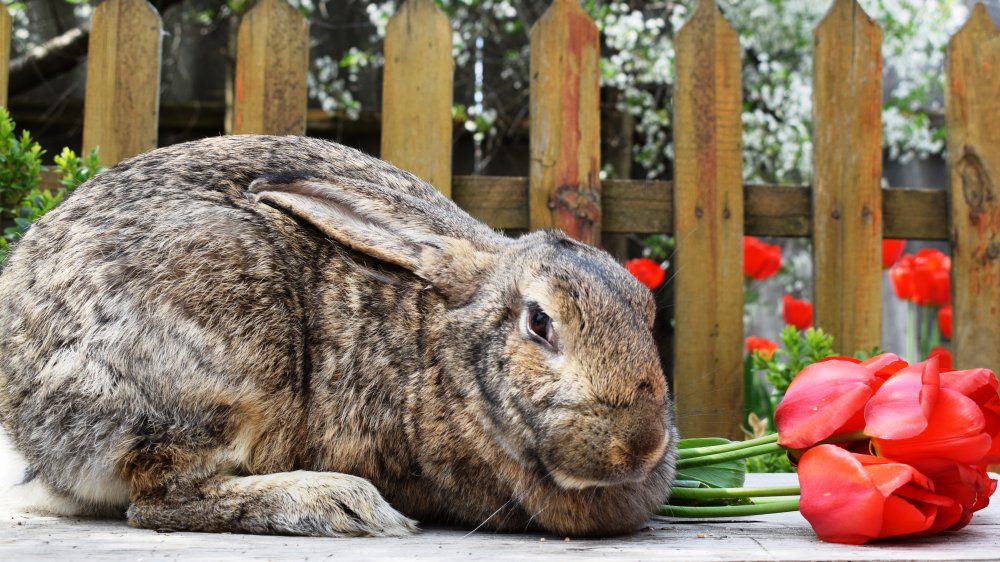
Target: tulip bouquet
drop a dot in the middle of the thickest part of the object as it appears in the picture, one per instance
(883, 449)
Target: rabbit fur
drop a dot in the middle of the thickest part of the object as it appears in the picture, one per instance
(283, 335)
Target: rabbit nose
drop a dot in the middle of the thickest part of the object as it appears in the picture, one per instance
(643, 439)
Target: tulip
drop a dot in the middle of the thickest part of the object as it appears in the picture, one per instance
(980, 386)
(901, 276)
(829, 398)
(796, 312)
(944, 321)
(850, 498)
(931, 278)
(760, 260)
(647, 271)
(969, 486)
(892, 250)
(763, 346)
(913, 417)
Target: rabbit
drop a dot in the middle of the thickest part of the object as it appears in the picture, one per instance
(282, 335)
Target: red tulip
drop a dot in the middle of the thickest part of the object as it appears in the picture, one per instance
(761, 345)
(901, 276)
(944, 321)
(760, 260)
(647, 271)
(924, 278)
(980, 385)
(969, 486)
(892, 249)
(944, 357)
(852, 499)
(829, 397)
(913, 417)
(798, 313)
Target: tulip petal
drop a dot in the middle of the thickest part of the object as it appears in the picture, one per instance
(821, 399)
(904, 518)
(955, 431)
(900, 408)
(980, 385)
(838, 498)
(885, 365)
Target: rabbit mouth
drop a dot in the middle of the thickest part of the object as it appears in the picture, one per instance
(622, 468)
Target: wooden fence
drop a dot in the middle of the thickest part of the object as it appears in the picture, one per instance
(707, 207)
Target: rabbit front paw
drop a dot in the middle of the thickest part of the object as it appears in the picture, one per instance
(303, 503)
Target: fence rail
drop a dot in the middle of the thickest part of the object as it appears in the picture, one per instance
(845, 212)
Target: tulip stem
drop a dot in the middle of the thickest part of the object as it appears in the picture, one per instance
(742, 453)
(725, 493)
(734, 446)
(780, 506)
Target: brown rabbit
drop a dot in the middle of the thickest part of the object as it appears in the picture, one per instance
(272, 334)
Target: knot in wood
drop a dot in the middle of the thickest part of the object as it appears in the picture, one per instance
(581, 201)
(993, 251)
(977, 189)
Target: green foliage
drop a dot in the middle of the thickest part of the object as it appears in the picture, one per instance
(797, 350)
(659, 247)
(22, 200)
(20, 165)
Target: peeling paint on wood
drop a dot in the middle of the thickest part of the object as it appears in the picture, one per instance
(972, 108)
(565, 123)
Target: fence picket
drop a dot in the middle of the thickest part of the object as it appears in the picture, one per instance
(972, 108)
(565, 190)
(708, 207)
(417, 93)
(272, 64)
(847, 194)
(5, 31)
(121, 109)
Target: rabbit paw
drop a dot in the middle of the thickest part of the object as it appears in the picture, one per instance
(295, 503)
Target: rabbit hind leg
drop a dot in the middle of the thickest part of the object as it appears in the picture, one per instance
(287, 503)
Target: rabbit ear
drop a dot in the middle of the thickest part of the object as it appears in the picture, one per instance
(383, 223)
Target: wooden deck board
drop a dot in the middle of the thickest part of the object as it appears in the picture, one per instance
(32, 536)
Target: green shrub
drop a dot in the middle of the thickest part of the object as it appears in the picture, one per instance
(22, 200)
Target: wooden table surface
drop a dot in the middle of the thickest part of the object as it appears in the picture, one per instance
(29, 535)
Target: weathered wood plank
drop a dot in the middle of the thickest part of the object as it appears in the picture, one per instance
(565, 118)
(123, 80)
(272, 63)
(26, 535)
(501, 202)
(847, 205)
(972, 107)
(646, 207)
(915, 213)
(5, 31)
(417, 93)
(708, 203)
(777, 210)
(649, 203)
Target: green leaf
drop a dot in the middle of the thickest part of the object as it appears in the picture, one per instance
(730, 474)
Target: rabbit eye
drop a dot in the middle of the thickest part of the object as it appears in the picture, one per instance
(540, 326)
